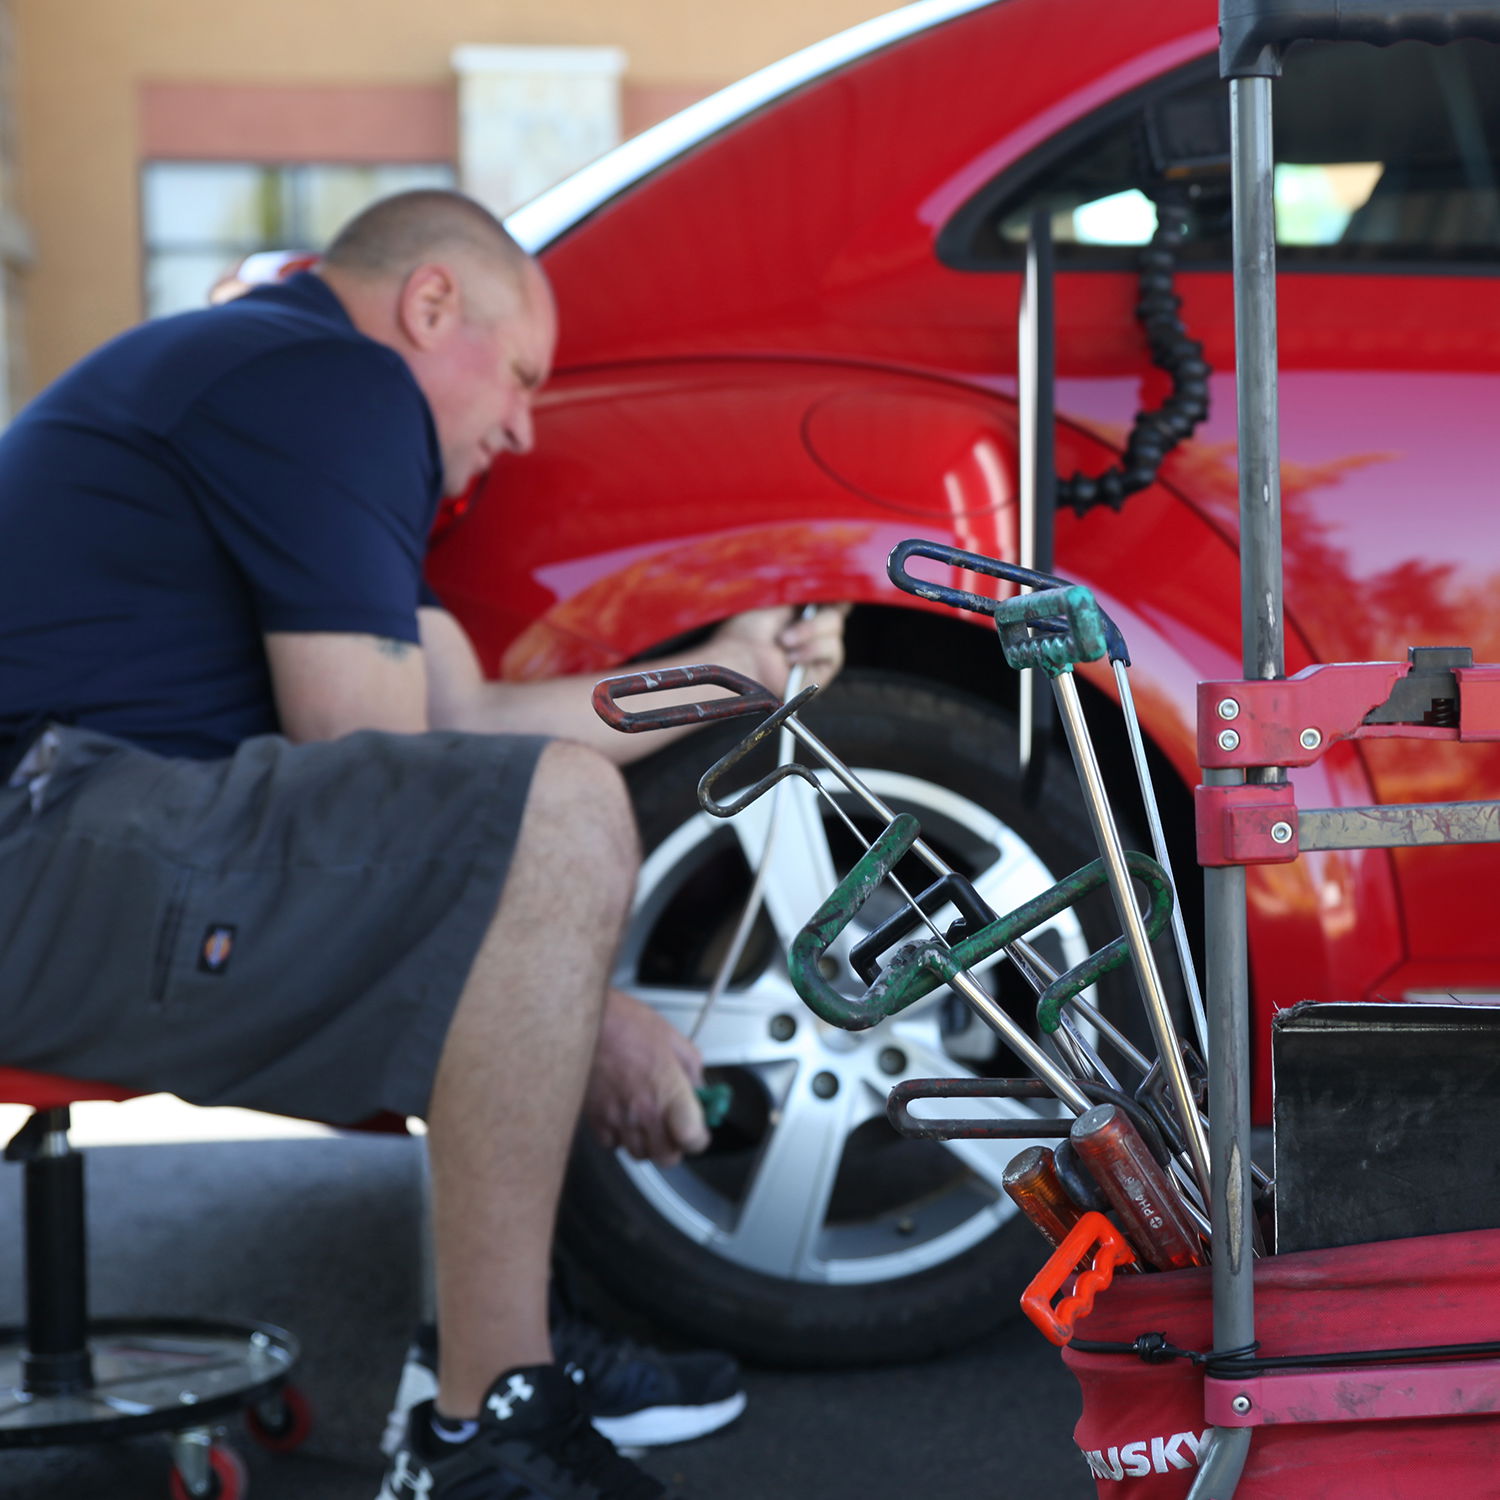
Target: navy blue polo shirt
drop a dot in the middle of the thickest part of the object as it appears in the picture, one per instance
(197, 482)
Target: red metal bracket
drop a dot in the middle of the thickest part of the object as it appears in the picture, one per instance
(1092, 1235)
(1291, 721)
(1246, 825)
(1369, 1393)
(1479, 702)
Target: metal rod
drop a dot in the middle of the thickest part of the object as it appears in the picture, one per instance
(993, 1014)
(1036, 388)
(1021, 953)
(1004, 1023)
(1391, 826)
(1096, 802)
(56, 1359)
(1261, 617)
(1139, 1061)
(1220, 1463)
(1026, 496)
(1252, 162)
(1086, 1060)
(758, 885)
(1228, 980)
(1229, 1108)
(984, 1005)
(1159, 848)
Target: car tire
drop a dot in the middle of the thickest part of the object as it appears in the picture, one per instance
(914, 1249)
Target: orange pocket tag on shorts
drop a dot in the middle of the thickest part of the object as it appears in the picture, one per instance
(216, 948)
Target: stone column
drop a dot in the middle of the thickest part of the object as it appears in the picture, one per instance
(528, 116)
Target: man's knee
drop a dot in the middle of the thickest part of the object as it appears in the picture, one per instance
(578, 815)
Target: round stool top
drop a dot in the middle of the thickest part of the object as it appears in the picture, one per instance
(48, 1091)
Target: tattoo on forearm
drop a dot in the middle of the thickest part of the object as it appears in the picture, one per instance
(388, 647)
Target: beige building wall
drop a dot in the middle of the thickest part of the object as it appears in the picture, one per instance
(103, 85)
(15, 238)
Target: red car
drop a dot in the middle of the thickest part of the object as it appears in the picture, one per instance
(789, 341)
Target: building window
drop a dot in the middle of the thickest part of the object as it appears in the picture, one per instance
(200, 218)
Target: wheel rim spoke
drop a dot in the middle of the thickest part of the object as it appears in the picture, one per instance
(737, 1031)
(681, 1007)
(762, 1199)
(784, 1211)
(800, 871)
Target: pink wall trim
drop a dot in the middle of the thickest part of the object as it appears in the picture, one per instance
(291, 123)
(342, 122)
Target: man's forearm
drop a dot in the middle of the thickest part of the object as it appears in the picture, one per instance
(761, 644)
(563, 706)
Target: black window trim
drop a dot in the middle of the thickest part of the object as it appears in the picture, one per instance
(956, 238)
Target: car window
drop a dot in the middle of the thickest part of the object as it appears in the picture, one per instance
(1413, 178)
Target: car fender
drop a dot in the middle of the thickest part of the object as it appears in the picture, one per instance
(703, 488)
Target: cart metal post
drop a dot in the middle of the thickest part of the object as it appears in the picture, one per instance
(1228, 983)
(1263, 644)
(1253, 34)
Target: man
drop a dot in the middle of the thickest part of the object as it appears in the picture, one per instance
(270, 839)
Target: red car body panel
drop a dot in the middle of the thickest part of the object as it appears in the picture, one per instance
(766, 377)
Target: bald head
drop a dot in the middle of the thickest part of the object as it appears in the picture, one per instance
(397, 234)
(436, 277)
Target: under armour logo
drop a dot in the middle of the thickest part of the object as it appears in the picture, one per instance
(517, 1389)
(409, 1479)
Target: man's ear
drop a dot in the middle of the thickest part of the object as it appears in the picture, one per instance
(429, 305)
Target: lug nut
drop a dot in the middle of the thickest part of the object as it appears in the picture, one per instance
(828, 968)
(783, 1028)
(892, 1060)
(825, 1085)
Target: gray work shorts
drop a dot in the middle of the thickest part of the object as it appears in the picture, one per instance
(288, 929)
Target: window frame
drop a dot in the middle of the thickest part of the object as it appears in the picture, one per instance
(956, 241)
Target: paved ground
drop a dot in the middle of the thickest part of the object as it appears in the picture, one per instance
(318, 1234)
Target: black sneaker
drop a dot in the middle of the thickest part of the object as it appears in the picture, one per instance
(646, 1398)
(637, 1397)
(533, 1443)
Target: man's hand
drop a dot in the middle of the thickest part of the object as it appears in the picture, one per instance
(764, 644)
(779, 639)
(641, 1091)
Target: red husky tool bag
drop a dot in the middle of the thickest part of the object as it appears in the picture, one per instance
(1142, 1423)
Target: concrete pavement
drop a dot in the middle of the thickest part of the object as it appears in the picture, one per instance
(319, 1234)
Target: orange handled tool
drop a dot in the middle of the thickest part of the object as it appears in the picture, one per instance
(1092, 1238)
(1031, 1180)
